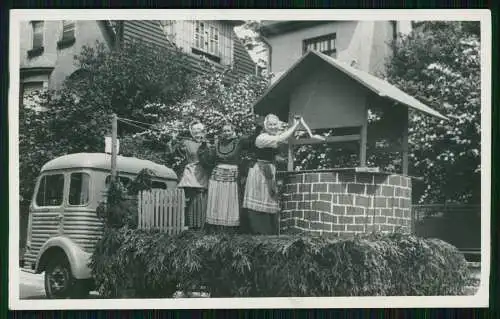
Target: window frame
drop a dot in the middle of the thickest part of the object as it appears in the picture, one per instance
(89, 199)
(198, 49)
(36, 51)
(39, 186)
(70, 40)
(325, 38)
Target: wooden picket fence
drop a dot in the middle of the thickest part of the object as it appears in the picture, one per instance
(162, 209)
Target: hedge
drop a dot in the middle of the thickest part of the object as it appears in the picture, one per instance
(150, 264)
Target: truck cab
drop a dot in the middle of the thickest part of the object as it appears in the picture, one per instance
(63, 225)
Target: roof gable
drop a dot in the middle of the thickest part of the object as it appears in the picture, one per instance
(279, 90)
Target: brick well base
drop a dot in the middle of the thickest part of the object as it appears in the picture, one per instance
(345, 202)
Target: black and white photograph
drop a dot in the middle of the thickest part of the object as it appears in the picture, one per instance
(249, 159)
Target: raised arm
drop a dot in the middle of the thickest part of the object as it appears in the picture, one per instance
(267, 140)
(174, 145)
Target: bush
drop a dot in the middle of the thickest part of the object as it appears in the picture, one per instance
(155, 265)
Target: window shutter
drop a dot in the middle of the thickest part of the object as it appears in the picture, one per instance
(68, 30)
(37, 34)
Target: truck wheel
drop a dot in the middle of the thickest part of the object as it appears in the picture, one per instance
(59, 281)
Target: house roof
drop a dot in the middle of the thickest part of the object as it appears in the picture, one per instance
(129, 165)
(279, 91)
(275, 27)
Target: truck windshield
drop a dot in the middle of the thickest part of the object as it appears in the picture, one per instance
(50, 191)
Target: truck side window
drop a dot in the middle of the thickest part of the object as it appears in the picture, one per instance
(50, 191)
(157, 184)
(124, 180)
(79, 189)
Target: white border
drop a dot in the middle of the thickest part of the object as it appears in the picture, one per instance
(481, 299)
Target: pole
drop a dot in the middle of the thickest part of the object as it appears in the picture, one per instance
(114, 129)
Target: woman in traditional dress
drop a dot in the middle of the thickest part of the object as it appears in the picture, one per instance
(194, 179)
(223, 206)
(261, 195)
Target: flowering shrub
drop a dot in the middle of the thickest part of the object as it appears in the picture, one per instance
(440, 65)
(211, 100)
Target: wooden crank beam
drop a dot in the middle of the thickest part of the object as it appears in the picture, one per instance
(328, 139)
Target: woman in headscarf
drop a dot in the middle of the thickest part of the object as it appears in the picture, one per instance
(194, 179)
(223, 206)
(261, 195)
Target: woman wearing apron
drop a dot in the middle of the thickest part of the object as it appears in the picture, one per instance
(223, 206)
(261, 196)
(194, 179)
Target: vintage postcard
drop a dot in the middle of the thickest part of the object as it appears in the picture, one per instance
(173, 159)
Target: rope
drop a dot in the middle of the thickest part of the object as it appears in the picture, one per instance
(131, 124)
(129, 120)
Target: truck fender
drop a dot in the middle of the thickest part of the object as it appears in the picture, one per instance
(78, 259)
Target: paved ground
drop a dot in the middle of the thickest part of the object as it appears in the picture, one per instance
(32, 287)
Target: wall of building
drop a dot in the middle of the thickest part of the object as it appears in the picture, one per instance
(383, 35)
(62, 60)
(363, 42)
(152, 32)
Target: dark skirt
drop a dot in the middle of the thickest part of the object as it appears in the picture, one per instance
(261, 223)
(196, 211)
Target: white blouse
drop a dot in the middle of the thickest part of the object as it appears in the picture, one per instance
(265, 140)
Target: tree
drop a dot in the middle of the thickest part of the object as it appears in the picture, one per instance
(208, 100)
(251, 38)
(78, 116)
(150, 86)
(439, 64)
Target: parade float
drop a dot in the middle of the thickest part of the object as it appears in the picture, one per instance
(328, 94)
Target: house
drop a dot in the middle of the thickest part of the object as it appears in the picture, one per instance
(363, 44)
(48, 49)
(215, 40)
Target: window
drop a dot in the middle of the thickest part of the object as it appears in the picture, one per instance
(394, 25)
(36, 38)
(206, 40)
(79, 189)
(50, 191)
(68, 34)
(125, 181)
(37, 34)
(324, 44)
(157, 184)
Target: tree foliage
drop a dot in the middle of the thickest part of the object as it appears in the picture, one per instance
(211, 100)
(145, 84)
(78, 116)
(252, 40)
(439, 64)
